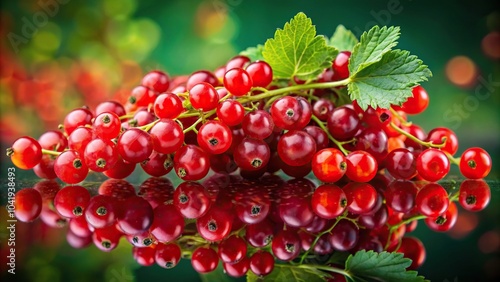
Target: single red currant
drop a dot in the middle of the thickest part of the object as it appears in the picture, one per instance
(475, 163)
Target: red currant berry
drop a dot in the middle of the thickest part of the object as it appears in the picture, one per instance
(433, 164)
(120, 170)
(144, 256)
(201, 76)
(418, 102)
(374, 141)
(233, 249)
(214, 137)
(475, 163)
(258, 124)
(191, 199)
(344, 235)
(441, 134)
(53, 140)
(106, 239)
(214, 225)
(262, 263)
(135, 145)
(156, 80)
(76, 118)
(445, 221)
(142, 96)
(361, 197)
(260, 234)
(286, 245)
(168, 255)
(137, 216)
(107, 126)
(238, 61)
(71, 201)
(168, 105)
(28, 205)
(204, 260)
(432, 200)
(230, 112)
(361, 166)
(251, 154)
(413, 249)
(322, 109)
(101, 211)
(329, 165)
(25, 153)
(191, 163)
(340, 66)
(158, 164)
(286, 111)
(474, 195)
(203, 96)
(100, 155)
(168, 223)
(400, 196)
(70, 168)
(296, 148)
(401, 164)
(111, 107)
(79, 139)
(343, 123)
(261, 73)
(167, 136)
(328, 201)
(237, 81)
(237, 269)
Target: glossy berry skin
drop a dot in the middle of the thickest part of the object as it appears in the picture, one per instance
(286, 111)
(28, 205)
(191, 199)
(319, 136)
(432, 200)
(230, 112)
(214, 137)
(306, 112)
(401, 164)
(168, 105)
(344, 235)
(156, 80)
(328, 201)
(400, 196)
(260, 234)
(286, 245)
(144, 256)
(137, 217)
(101, 211)
(142, 96)
(258, 124)
(168, 223)
(475, 163)
(70, 167)
(204, 260)
(329, 165)
(191, 163)
(322, 109)
(361, 166)
(203, 96)
(201, 76)
(53, 140)
(25, 153)
(168, 255)
(135, 145)
(261, 73)
(71, 201)
(167, 136)
(158, 164)
(79, 139)
(251, 154)
(474, 195)
(438, 135)
(238, 61)
(215, 225)
(340, 66)
(232, 249)
(237, 81)
(433, 164)
(343, 123)
(374, 141)
(76, 118)
(296, 148)
(445, 221)
(107, 125)
(110, 106)
(100, 155)
(296, 211)
(413, 249)
(262, 263)
(417, 103)
(120, 170)
(237, 269)
(106, 239)
(361, 197)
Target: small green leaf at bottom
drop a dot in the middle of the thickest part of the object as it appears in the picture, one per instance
(287, 273)
(384, 266)
(254, 53)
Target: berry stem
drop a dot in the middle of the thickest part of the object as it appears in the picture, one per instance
(50, 152)
(453, 159)
(423, 143)
(148, 126)
(338, 143)
(314, 268)
(127, 116)
(396, 226)
(398, 116)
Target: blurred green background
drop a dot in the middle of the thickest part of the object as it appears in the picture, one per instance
(55, 56)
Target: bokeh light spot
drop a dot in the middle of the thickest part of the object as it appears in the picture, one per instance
(489, 242)
(461, 71)
(491, 45)
(466, 222)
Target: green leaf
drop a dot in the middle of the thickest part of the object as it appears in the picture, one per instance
(254, 53)
(388, 81)
(288, 273)
(343, 39)
(384, 266)
(372, 46)
(296, 50)
(216, 275)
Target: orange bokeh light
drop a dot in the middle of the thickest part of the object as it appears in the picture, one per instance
(461, 71)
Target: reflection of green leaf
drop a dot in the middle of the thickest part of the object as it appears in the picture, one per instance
(296, 50)
(216, 275)
(388, 81)
(343, 39)
(384, 266)
(288, 273)
(254, 53)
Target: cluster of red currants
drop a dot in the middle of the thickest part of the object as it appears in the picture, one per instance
(239, 117)
(248, 224)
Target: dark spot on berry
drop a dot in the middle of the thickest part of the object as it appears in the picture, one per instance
(100, 162)
(101, 211)
(169, 265)
(135, 240)
(289, 247)
(106, 244)
(343, 202)
(168, 163)
(255, 210)
(256, 163)
(343, 165)
(77, 163)
(61, 222)
(290, 113)
(132, 100)
(470, 200)
(133, 122)
(472, 164)
(181, 172)
(10, 152)
(268, 240)
(323, 110)
(212, 226)
(78, 211)
(183, 198)
(384, 116)
(440, 220)
(106, 119)
(213, 141)
(147, 242)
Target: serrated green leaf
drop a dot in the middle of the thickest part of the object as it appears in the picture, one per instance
(254, 53)
(296, 50)
(388, 81)
(343, 39)
(286, 273)
(372, 46)
(384, 266)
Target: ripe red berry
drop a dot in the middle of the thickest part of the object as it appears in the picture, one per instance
(214, 137)
(418, 102)
(167, 136)
(475, 163)
(168, 255)
(432, 200)
(25, 153)
(135, 145)
(329, 165)
(204, 260)
(230, 112)
(215, 225)
(445, 221)
(413, 249)
(203, 96)
(258, 124)
(401, 164)
(262, 263)
(156, 80)
(237, 81)
(433, 164)
(361, 166)
(343, 123)
(100, 155)
(71, 201)
(251, 154)
(191, 163)
(168, 105)
(328, 201)
(168, 223)
(474, 195)
(232, 249)
(296, 148)
(261, 73)
(442, 134)
(28, 204)
(76, 118)
(70, 167)
(107, 125)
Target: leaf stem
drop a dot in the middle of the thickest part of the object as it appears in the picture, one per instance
(325, 268)
(50, 152)
(398, 116)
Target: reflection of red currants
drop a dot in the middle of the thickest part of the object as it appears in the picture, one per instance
(28, 204)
